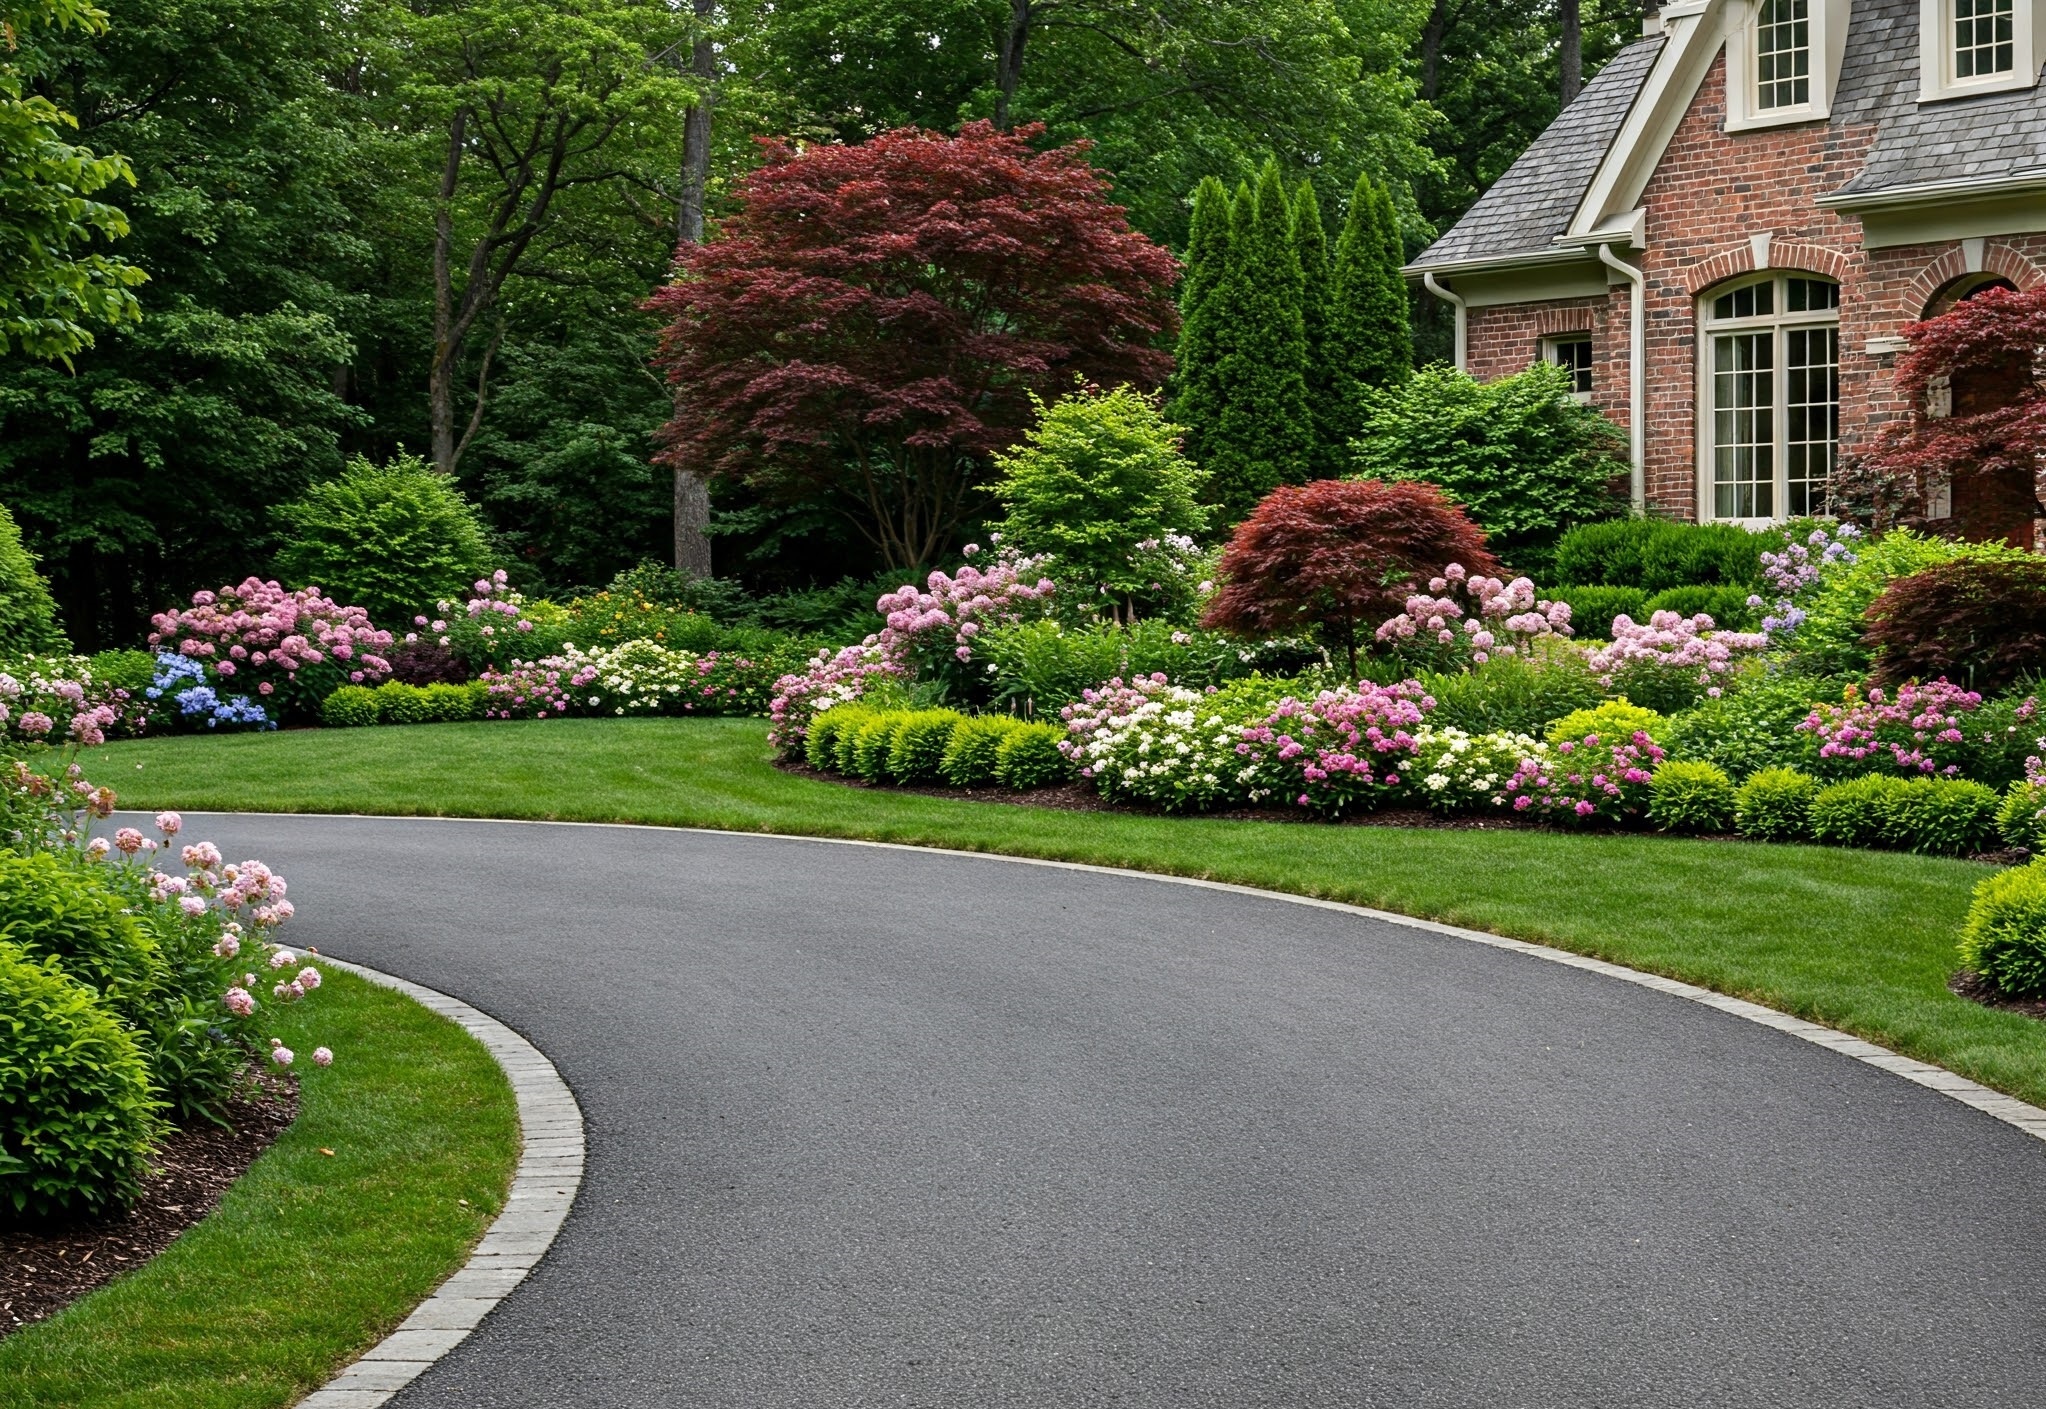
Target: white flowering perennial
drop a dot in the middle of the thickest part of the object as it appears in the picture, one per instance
(1456, 771)
(638, 677)
(1160, 743)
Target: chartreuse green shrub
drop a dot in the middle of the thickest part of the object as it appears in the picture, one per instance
(2004, 936)
(392, 539)
(1511, 695)
(1690, 797)
(352, 707)
(51, 909)
(820, 745)
(1615, 722)
(1937, 816)
(873, 745)
(1029, 757)
(918, 752)
(1775, 804)
(76, 1114)
(2021, 820)
(1753, 724)
(451, 704)
(28, 614)
(402, 704)
(970, 758)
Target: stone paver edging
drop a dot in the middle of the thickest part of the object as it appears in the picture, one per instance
(550, 1172)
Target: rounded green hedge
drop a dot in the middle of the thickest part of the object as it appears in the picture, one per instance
(1775, 804)
(1690, 797)
(2021, 820)
(1029, 757)
(970, 758)
(76, 1113)
(918, 753)
(1937, 816)
(2004, 937)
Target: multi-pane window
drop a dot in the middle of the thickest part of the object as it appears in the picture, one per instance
(1772, 373)
(1985, 38)
(1573, 355)
(1783, 54)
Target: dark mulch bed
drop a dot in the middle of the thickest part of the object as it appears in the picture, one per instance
(45, 1269)
(1976, 989)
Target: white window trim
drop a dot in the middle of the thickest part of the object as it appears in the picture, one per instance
(1936, 81)
(1777, 322)
(1549, 355)
(1829, 42)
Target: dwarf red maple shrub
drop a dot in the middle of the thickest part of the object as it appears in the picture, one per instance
(1981, 624)
(869, 326)
(1340, 556)
(1984, 351)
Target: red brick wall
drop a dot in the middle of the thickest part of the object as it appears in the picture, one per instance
(1712, 192)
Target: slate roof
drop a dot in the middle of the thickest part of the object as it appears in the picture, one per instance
(1916, 143)
(1531, 204)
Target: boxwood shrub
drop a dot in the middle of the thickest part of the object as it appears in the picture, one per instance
(76, 1114)
(2021, 820)
(1939, 816)
(1775, 804)
(1615, 722)
(971, 756)
(2004, 937)
(402, 704)
(1727, 606)
(1690, 797)
(351, 707)
(1029, 757)
(871, 745)
(918, 753)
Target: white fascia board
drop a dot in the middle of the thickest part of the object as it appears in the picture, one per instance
(2026, 182)
(1696, 31)
(1490, 264)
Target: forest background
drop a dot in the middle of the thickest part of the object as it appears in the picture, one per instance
(370, 225)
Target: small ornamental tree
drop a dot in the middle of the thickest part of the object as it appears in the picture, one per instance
(869, 327)
(1978, 624)
(1099, 477)
(1340, 556)
(1981, 357)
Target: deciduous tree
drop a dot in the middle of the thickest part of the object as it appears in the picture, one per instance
(872, 321)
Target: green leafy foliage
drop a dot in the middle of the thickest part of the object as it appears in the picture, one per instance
(398, 703)
(1370, 339)
(1690, 797)
(393, 539)
(1727, 606)
(1592, 609)
(820, 744)
(972, 755)
(1317, 318)
(76, 1114)
(1042, 666)
(1525, 459)
(872, 746)
(1833, 637)
(1614, 721)
(1513, 695)
(2004, 936)
(1028, 757)
(352, 707)
(1753, 725)
(1100, 473)
(51, 908)
(28, 614)
(1775, 804)
(917, 754)
(1937, 816)
(2021, 820)
(1656, 555)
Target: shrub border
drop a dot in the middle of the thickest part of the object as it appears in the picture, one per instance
(544, 1187)
(2028, 1118)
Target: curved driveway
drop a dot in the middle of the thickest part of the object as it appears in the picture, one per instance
(872, 1127)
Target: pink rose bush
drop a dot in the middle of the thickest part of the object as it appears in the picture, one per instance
(262, 640)
(1463, 621)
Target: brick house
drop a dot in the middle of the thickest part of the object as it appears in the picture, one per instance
(1723, 235)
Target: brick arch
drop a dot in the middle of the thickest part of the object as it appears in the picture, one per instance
(1739, 259)
(1952, 264)
(1550, 321)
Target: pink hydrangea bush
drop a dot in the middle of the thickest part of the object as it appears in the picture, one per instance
(1590, 779)
(930, 632)
(491, 629)
(541, 689)
(288, 649)
(1668, 661)
(833, 678)
(55, 700)
(1919, 731)
(1346, 750)
(1463, 621)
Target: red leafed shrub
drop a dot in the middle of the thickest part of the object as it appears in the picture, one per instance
(1340, 556)
(871, 324)
(1982, 624)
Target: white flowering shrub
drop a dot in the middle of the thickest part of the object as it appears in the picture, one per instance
(1457, 771)
(1160, 743)
(638, 677)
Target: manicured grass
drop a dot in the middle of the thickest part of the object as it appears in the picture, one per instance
(1861, 941)
(311, 1257)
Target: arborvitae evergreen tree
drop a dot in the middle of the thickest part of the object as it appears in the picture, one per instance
(1370, 338)
(1331, 432)
(1262, 431)
(1200, 335)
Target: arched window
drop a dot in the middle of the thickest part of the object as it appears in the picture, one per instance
(1769, 397)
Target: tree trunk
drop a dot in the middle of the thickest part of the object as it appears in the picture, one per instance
(440, 382)
(1572, 56)
(692, 495)
(1010, 72)
(1432, 35)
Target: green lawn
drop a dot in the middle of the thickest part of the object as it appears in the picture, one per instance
(1862, 941)
(310, 1258)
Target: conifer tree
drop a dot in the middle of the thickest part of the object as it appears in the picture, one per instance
(1331, 433)
(1200, 336)
(1370, 336)
(1263, 434)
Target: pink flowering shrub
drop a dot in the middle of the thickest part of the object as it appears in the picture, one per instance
(1919, 731)
(1463, 621)
(1667, 663)
(541, 689)
(492, 629)
(1343, 751)
(1592, 779)
(289, 650)
(833, 678)
(56, 700)
(930, 633)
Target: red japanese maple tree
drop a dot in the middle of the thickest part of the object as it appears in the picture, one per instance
(1341, 556)
(1987, 436)
(871, 323)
